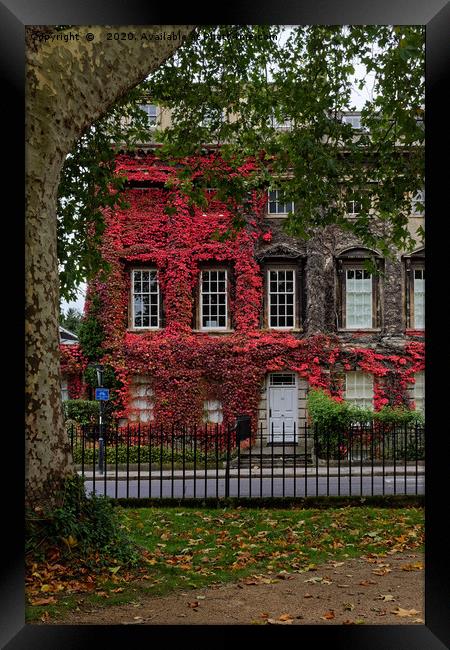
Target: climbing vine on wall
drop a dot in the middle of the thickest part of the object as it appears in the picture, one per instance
(160, 228)
(73, 365)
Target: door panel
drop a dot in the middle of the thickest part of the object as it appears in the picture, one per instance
(282, 411)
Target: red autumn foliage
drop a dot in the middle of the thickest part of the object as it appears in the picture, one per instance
(187, 366)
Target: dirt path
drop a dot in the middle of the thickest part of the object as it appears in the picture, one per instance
(365, 590)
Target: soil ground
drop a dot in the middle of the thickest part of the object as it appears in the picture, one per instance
(367, 590)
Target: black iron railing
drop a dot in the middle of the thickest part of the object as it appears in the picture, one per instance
(215, 461)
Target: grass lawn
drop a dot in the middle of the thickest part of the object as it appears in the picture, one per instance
(192, 548)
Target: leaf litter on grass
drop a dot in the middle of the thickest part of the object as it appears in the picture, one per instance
(261, 546)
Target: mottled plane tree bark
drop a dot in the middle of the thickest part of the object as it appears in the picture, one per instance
(69, 84)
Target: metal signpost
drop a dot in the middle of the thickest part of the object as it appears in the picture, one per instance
(102, 395)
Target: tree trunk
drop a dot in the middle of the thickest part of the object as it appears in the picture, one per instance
(69, 85)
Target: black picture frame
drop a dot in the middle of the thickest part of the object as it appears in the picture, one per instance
(435, 14)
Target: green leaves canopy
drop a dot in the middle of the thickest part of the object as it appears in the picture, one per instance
(229, 85)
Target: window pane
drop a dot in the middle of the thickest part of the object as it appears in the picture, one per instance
(359, 389)
(419, 391)
(358, 297)
(145, 298)
(276, 206)
(419, 299)
(282, 379)
(214, 299)
(281, 293)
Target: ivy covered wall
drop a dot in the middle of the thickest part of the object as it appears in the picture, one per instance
(186, 366)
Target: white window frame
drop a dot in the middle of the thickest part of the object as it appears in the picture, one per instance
(419, 396)
(158, 301)
(369, 324)
(360, 391)
(209, 117)
(353, 203)
(282, 379)
(278, 202)
(269, 294)
(215, 327)
(417, 294)
(213, 411)
(285, 125)
(142, 399)
(353, 119)
(419, 197)
(64, 389)
(146, 108)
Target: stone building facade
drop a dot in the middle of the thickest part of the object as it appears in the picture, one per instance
(201, 326)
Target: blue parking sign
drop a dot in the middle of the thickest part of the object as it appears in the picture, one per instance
(102, 394)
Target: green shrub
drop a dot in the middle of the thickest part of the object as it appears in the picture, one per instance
(332, 421)
(84, 528)
(143, 454)
(326, 413)
(398, 415)
(82, 411)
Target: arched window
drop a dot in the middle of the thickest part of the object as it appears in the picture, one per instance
(358, 290)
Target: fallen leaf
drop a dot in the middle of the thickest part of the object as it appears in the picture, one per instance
(114, 569)
(273, 621)
(193, 605)
(328, 616)
(418, 620)
(366, 583)
(70, 541)
(314, 580)
(285, 617)
(404, 612)
(382, 571)
(417, 566)
(349, 607)
(386, 597)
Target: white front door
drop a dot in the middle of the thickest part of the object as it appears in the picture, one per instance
(283, 406)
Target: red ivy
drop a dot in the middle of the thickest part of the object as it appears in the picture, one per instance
(73, 364)
(187, 367)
